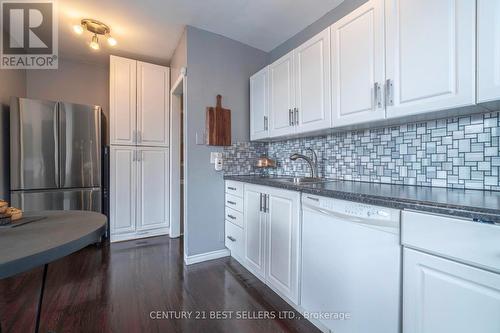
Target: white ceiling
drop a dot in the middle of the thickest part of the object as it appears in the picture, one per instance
(150, 29)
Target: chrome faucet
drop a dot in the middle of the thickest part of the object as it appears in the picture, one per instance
(313, 162)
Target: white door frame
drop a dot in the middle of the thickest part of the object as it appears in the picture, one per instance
(177, 92)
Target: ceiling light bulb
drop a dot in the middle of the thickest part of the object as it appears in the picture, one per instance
(94, 44)
(112, 41)
(78, 29)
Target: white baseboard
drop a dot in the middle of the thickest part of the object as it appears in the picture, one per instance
(189, 260)
(139, 235)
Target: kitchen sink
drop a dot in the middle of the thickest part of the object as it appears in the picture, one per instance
(300, 180)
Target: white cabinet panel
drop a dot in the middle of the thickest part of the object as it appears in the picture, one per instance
(430, 55)
(254, 230)
(445, 296)
(312, 84)
(153, 93)
(122, 101)
(281, 97)
(122, 190)
(358, 62)
(153, 188)
(259, 105)
(488, 50)
(283, 242)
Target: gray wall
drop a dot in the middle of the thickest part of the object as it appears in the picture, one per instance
(179, 59)
(12, 83)
(327, 20)
(215, 65)
(74, 81)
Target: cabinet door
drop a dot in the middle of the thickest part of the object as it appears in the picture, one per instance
(281, 97)
(283, 242)
(488, 52)
(312, 84)
(440, 295)
(430, 55)
(259, 105)
(153, 191)
(254, 230)
(358, 62)
(123, 179)
(122, 101)
(152, 104)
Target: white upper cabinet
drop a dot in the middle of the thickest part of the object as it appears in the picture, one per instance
(122, 100)
(139, 103)
(152, 104)
(430, 55)
(358, 72)
(488, 52)
(259, 105)
(281, 97)
(312, 84)
(153, 191)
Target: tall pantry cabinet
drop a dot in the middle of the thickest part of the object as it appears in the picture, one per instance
(139, 137)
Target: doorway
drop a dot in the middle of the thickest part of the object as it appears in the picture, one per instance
(177, 155)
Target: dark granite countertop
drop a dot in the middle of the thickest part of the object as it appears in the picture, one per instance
(474, 204)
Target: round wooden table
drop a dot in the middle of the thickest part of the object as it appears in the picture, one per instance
(37, 243)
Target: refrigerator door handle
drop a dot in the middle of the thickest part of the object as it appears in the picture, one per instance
(56, 145)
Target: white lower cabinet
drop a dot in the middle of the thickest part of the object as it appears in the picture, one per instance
(445, 296)
(271, 249)
(139, 192)
(451, 275)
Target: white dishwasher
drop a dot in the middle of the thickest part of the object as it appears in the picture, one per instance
(351, 265)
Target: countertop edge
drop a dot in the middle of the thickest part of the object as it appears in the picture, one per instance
(474, 213)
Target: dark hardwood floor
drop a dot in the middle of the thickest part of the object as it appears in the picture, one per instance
(115, 288)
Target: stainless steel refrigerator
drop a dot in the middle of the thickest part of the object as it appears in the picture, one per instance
(55, 155)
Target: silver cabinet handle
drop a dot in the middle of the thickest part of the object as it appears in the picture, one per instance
(232, 188)
(265, 123)
(232, 239)
(296, 116)
(389, 91)
(377, 94)
(290, 117)
(260, 203)
(231, 202)
(312, 198)
(266, 197)
(232, 217)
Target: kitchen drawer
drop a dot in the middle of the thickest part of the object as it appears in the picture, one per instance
(234, 202)
(234, 240)
(459, 239)
(234, 188)
(234, 217)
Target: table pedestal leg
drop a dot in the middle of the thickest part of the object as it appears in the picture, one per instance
(40, 299)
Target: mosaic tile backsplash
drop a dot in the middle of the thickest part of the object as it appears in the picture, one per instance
(460, 152)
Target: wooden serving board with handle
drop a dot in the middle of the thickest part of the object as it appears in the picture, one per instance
(218, 125)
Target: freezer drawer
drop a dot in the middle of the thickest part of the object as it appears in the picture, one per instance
(71, 199)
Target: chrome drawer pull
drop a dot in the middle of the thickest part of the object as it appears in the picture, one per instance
(232, 239)
(314, 199)
(231, 202)
(232, 188)
(232, 217)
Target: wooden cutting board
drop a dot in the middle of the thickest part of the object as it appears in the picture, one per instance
(218, 125)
